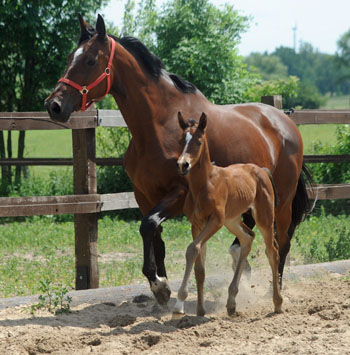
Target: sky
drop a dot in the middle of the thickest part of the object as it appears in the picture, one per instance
(319, 22)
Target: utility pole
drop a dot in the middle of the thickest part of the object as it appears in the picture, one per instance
(295, 37)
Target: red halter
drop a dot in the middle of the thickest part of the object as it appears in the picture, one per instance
(85, 89)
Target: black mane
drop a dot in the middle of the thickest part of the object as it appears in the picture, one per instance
(150, 62)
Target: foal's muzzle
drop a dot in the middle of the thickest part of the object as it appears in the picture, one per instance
(183, 168)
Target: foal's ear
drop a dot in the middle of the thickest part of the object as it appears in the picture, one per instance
(182, 122)
(101, 28)
(202, 122)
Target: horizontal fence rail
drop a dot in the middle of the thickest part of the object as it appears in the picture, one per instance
(320, 116)
(20, 121)
(51, 205)
(57, 161)
(341, 158)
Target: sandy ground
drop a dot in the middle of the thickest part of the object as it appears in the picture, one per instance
(316, 320)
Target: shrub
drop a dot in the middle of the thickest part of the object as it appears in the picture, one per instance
(285, 87)
(324, 238)
(331, 173)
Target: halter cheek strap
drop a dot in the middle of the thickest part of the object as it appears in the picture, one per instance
(86, 88)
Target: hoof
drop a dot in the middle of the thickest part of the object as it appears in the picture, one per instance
(231, 311)
(177, 315)
(201, 312)
(278, 310)
(161, 290)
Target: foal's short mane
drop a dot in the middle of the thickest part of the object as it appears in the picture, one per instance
(149, 61)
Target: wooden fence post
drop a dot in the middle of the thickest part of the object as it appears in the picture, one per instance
(274, 100)
(85, 225)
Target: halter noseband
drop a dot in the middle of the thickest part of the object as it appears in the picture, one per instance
(85, 89)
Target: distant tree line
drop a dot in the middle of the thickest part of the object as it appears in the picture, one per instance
(319, 73)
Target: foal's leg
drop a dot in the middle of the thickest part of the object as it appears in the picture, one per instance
(192, 253)
(199, 271)
(246, 237)
(235, 248)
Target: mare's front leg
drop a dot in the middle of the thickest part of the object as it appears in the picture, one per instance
(153, 245)
(193, 252)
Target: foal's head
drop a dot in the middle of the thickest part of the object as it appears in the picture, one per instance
(194, 136)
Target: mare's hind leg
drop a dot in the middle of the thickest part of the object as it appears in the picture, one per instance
(246, 237)
(235, 248)
(273, 257)
(192, 253)
(153, 245)
(283, 220)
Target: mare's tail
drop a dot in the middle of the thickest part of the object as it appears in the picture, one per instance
(301, 206)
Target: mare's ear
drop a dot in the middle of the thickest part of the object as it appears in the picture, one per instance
(101, 28)
(83, 23)
(202, 122)
(182, 122)
(86, 31)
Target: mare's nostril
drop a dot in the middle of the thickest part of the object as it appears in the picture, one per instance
(56, 108)
(186, 165)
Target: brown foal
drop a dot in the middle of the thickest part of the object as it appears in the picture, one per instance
(219, 196)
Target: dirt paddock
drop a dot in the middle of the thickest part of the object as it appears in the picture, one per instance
(316, 320)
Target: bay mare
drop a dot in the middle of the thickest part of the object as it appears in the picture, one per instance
(149, 99)
(218, 197)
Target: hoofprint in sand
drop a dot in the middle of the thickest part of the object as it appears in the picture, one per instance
(316, 320)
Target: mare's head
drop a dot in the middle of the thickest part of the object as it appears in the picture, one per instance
(87, 63)
(193, 138)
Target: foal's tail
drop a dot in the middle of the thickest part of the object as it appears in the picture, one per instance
(268, 172)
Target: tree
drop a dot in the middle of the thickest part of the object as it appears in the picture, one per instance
(270, 67)
(342, 61)
(343, 48)
(35, 37)
(199, 42)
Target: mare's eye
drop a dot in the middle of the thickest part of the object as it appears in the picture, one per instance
(91, 62)
(199, 143)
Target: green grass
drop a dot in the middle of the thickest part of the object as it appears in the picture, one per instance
(325, 133)
(38, 249)
(341, 102)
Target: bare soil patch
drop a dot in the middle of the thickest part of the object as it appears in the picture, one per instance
(316, 320)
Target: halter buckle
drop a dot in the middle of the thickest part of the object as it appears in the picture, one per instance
(108, 71)
(84, 90)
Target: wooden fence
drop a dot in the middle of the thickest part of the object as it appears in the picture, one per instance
(86, 203)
